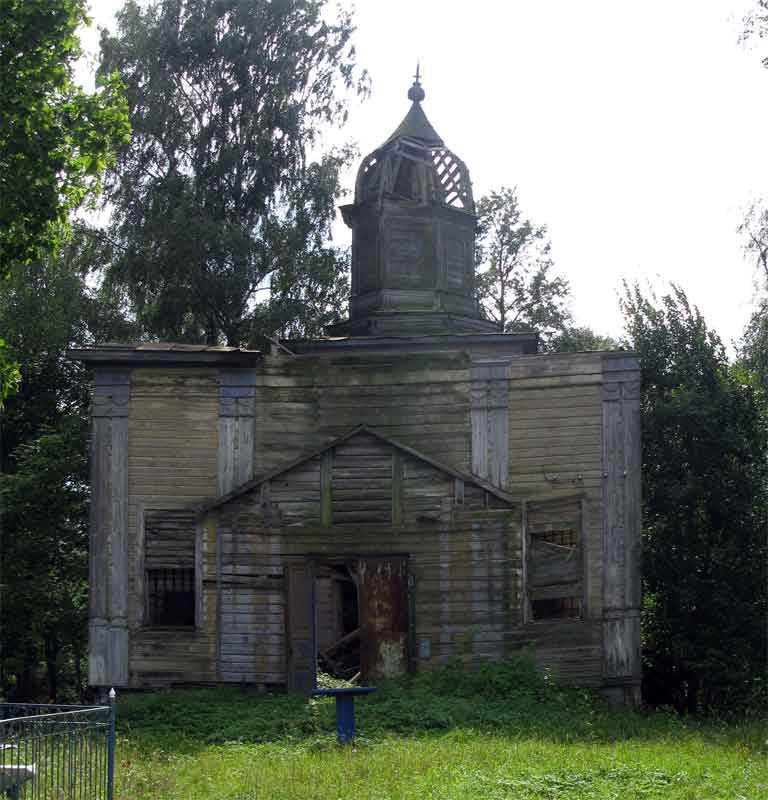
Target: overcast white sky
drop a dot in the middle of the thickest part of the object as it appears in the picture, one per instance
(637, 132)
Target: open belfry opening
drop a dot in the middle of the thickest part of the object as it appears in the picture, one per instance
(337, 620)
(414, 487)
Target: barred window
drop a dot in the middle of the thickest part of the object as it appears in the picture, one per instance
(171, 596)
(555, 565)
(169, 576)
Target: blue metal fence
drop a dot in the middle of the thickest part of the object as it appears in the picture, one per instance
(57, 752)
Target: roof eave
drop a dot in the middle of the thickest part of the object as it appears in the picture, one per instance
(135, 356)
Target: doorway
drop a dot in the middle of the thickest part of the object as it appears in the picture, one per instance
(348, 617)
(337, 620)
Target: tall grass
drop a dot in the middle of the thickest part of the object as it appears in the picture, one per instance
(501, 731)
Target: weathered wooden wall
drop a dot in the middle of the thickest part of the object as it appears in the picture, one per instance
(303, 402)
(465, 560)
(172, 464)
(540, 427)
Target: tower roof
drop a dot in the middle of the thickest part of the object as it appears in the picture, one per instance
(415, 124)
(414, 164)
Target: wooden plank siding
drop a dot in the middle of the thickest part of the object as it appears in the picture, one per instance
(465, 561)
(172, 463)
(555, 442)
(305, 402)
(364, 497)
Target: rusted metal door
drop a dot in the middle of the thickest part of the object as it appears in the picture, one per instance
(300, 625)
(383, 597)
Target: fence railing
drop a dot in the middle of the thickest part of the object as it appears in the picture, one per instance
(56, 752)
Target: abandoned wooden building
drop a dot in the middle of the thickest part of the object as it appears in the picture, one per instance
(415, 487)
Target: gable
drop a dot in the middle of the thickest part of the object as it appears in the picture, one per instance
(362, 478)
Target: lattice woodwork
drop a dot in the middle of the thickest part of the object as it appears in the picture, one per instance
(409, 169)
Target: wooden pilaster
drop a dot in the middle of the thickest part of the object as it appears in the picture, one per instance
(108, 632)
(490, 421)
(621, 529)
(237, 408)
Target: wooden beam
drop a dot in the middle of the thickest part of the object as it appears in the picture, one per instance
(397, 487)
(326, 488)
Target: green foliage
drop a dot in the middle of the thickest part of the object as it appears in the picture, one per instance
(704, 479)
(753, 349)
(754, 230)
(10, 377)
(43, 478)
(581, 340)
(513, 696)
(515, 281)
(501, 731)
(55, 139)
(45, 557)
(216, 200)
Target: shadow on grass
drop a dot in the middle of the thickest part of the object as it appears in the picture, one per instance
(511, 699)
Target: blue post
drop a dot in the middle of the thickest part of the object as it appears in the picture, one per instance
(345, 708)
(345, 717)
(111, 744)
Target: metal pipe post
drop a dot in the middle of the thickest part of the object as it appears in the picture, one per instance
(111, 744)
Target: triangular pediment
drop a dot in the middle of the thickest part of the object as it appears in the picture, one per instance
(358, 460)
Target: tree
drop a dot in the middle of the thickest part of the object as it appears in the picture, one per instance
(754, 345)
(216, 199)
(43, 467)
(45, 553)
(756, 24)
(515, 284)
(55, 139)
(9, 376)
(704, 508)
(754, 229)
(580, 340)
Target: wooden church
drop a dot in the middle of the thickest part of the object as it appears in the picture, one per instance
(414, 488)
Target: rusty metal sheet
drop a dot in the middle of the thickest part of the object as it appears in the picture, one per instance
(383, 593)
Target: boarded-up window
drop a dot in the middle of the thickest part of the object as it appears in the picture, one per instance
(555, 561)
(169, 563)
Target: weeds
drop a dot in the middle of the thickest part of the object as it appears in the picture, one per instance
(501, 731)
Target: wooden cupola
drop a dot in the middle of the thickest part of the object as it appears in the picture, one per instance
(413, 236)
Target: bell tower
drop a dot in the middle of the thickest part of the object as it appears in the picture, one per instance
(413, 237)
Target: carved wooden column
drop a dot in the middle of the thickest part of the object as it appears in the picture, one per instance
(622, 671)
(490, 421)
(237, 409)
(108, 567)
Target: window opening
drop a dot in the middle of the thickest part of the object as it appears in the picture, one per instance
(555, 564)
(171, 597)
(169, 568)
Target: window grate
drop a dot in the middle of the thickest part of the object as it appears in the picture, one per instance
(171, 597)
(556, 608)
(565, 537)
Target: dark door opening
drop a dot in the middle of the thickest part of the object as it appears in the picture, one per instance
(337, 620)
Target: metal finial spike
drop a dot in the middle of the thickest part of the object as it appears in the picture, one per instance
(416, 93)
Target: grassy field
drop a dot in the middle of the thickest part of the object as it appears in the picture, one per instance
(502, 732)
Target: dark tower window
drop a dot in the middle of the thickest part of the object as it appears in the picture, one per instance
(404, 180)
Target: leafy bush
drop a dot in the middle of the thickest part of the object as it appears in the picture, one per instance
(513, 697)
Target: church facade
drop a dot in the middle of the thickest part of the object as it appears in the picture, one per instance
(415, 487)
